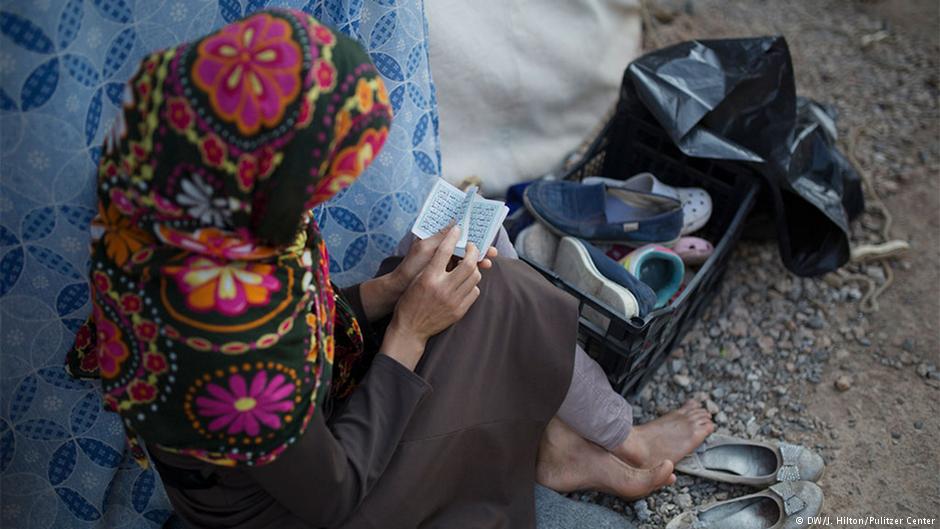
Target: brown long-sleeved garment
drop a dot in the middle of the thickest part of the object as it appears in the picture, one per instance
(398, 455)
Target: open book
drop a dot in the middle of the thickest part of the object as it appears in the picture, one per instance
(479, 218)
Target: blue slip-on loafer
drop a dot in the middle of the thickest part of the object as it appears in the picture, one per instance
(603, 213)
(696, 202)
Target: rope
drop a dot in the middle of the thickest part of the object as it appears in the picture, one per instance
(887, 248)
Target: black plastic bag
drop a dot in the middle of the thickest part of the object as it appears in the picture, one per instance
(735, 99)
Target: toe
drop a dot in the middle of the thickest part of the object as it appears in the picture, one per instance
(690, 405)
(662, 474)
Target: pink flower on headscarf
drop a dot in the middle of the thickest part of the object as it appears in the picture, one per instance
(250, 71)
(112, 351)
(241, 408)
(228, 287)
(232, 246)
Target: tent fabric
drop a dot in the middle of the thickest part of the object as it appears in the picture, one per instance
(524, 82)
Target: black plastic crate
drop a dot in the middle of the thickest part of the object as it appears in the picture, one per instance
(631, 350)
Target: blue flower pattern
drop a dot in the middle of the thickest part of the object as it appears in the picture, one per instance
(63, 65)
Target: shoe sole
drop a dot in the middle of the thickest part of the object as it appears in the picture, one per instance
(544, 241)
(574, 265)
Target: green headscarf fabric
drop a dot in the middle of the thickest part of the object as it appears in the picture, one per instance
(214, 323)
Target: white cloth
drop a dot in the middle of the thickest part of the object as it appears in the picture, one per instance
(520, 83)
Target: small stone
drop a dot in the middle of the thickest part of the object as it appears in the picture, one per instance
(684, 501)
(682, 380)
(895, 434)
(766, 343)
(721, 418)
(923, 369)
(711, 406)
(908, 345)
(842, 354)
(731, 352)
(752, 428)
(876, 273)
(677, 365)
(843, 383)
(816, 323)
(642, 510)
(918, 425)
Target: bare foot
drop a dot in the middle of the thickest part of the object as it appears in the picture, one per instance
(568, 462)
(670, 437)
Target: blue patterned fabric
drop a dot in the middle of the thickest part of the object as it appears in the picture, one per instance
(63, 64)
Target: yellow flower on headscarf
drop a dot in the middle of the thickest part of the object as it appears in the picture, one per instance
(364, 95)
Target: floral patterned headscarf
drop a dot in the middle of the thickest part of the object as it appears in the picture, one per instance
(212, 327)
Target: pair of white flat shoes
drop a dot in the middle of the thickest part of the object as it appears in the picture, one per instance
(788, 471)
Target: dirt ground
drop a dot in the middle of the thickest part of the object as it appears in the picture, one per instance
(877, 63)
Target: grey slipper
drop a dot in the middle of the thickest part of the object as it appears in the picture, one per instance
(786, 505)
(754, 463)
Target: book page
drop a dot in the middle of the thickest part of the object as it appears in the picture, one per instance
(486, 216)
(445, 204)
(465, 212)
(479, 219)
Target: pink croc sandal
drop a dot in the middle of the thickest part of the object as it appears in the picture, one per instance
(693, 250)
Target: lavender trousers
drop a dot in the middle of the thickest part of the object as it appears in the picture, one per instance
(591, 407)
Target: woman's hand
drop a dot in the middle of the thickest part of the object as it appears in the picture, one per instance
(435, 299)
(379, 295)
(419, 255)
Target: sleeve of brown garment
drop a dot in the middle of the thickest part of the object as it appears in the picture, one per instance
(330, 470)
(353, 296)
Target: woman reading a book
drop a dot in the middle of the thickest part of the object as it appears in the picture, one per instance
(267, 397)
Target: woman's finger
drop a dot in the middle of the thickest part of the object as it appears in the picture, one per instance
(486, 263)
(466, 266)
(431, 243)
(445, 250)
(467, 285)
(468, 300)
(472, 254)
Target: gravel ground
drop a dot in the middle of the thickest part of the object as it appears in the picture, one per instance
(778, 357)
